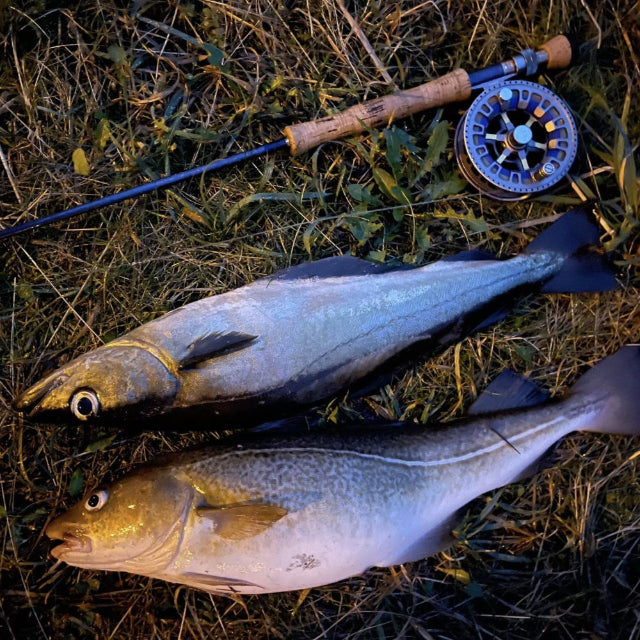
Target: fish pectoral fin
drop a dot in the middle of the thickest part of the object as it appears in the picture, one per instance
(214, 345)
(508, 391)
(216, 584)
(242, 521)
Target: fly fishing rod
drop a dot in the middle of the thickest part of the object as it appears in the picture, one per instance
(482, 144)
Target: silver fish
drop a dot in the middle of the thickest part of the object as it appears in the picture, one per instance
(307, 332)
(283, 513)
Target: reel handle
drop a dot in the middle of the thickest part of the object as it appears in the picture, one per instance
(452, 87)
(559, 52)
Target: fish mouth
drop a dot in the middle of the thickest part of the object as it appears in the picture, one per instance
(31, 400)
(73, 540)
(71, 544)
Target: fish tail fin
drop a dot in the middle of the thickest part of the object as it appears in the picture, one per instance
(575, 236)
(618, 378)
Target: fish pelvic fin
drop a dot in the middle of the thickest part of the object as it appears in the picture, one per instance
(217, 584)
(237, 522)
(616, 379)
(576, 237)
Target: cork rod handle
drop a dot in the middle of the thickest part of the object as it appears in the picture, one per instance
(452, 87)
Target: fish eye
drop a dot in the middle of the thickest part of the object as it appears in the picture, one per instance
(85, 404)
(96, 500)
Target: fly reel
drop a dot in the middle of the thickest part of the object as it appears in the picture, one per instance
(516, 140)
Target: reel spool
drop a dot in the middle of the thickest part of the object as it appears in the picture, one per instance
(516, 140)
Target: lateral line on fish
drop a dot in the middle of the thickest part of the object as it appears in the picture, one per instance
(539, 259)
(519, 265)
(408, 463)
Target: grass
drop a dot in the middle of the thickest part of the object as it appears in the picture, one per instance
(160, 87)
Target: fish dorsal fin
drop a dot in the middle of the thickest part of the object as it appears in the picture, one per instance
(237, 522)
(508, 391)
(335, 267)
(214, 344)
(473, 255)
(215, 584)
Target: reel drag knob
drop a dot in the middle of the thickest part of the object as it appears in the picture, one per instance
(517, 139)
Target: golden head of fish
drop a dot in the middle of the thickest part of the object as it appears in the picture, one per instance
(134, 525)
(103, 382)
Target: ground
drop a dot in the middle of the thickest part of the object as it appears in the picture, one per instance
(103, 95)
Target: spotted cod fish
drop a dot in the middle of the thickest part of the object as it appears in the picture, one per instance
(283, 513)
(308, 332)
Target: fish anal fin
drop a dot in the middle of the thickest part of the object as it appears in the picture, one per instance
(237, 522)
(508, 391)
(437, 539)
(214, 344)
(543, 462)
(493, 318)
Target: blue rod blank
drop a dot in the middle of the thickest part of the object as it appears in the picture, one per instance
(143, 188)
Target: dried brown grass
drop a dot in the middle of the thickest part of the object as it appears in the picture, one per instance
(133, 87)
